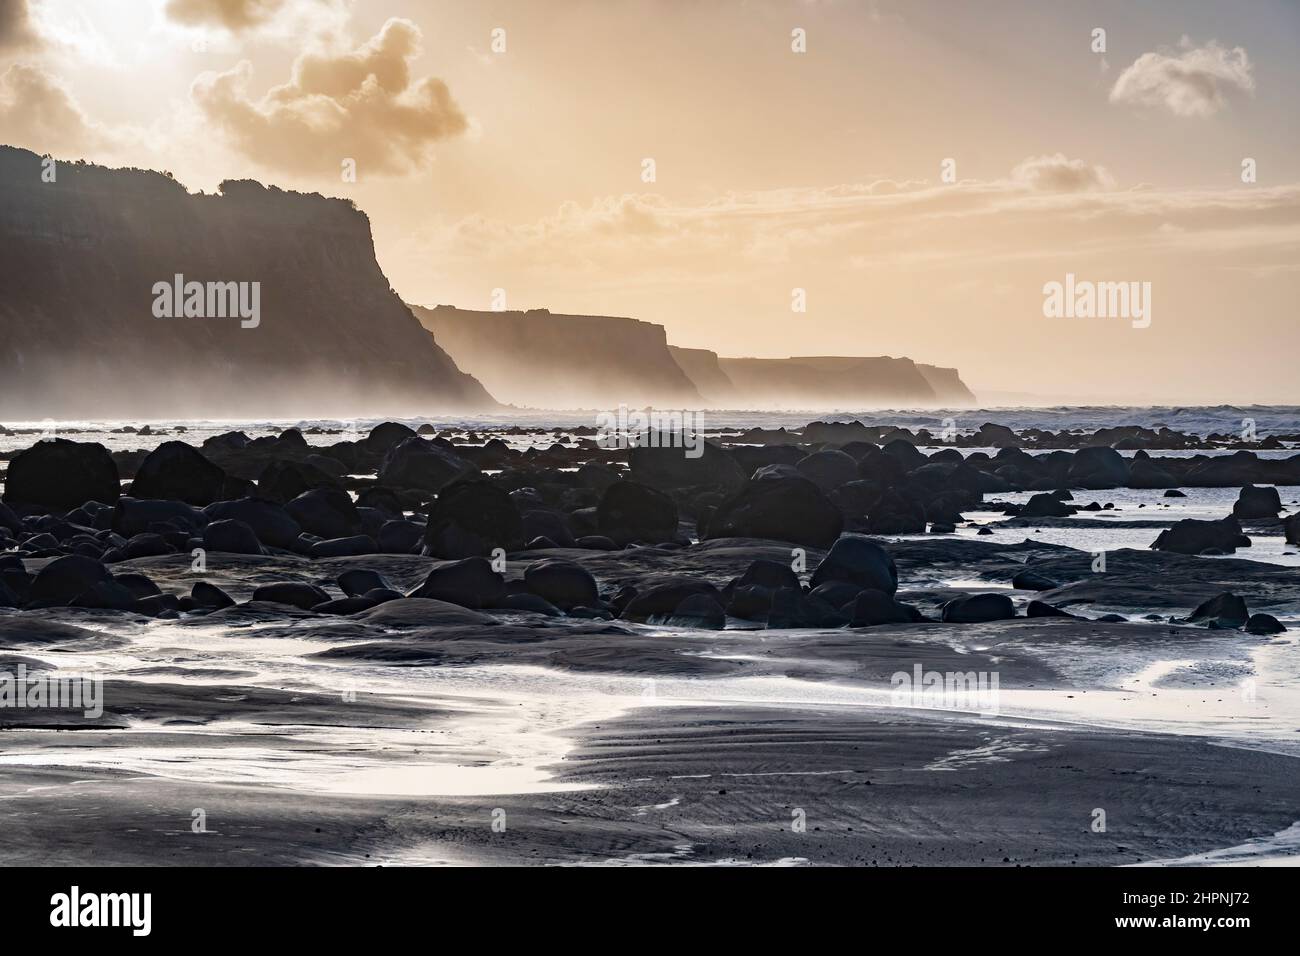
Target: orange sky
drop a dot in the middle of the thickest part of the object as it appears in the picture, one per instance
(522, 168)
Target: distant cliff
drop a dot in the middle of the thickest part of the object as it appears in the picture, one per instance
(701, 367)
(547, 360)
(948, 387)
(80, 329)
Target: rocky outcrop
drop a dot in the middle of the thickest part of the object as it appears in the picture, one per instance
(547, 360)
(80, 259)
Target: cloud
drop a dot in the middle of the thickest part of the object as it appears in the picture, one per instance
(16, 29)
(1059, 174)
(40, 114)
(1193, 82)
(232, 15)
(362, 105)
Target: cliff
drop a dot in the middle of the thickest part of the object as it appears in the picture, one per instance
(949, 389)
(701, 367)
(841, 382)
(547, 360)
(80, 333)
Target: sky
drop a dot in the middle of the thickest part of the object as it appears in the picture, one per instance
(762, 177)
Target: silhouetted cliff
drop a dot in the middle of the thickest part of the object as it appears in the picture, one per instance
(563, 361)
(79, 333)
(701, 367)
(949, 389)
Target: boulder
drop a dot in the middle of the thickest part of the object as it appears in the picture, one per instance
(768, 574)
(1098, 467)
(1194, 536)
(1291, 528)
(1028, 580)
(470, 582)
(400, 536)
(792, 608)
(304, 596)
(207, 595)
(178, 471)
(1043, 609)
(231, 536)
(326, 513)
(1264, 624)
(859, 561)
(1222, 611)
(698, 611)
(781, 509)
(132, 517)
(630, 511)
(828, 469)
(1254, 502)
(347, 547)
(416, 463)
(283, 481)
(977, 608)
(357, 581)
(472, 518)
(562, 583)
(664, 595)
(667, 467)
(895, 514)
(273, 526)
(872, 607)
(1046, 505)
(385, 435)
(63, 579)
(61, 475)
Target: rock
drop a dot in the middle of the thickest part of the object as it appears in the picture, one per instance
(977, 608)
(273, 526)
(792, 608)
(178, 471)
(781, 509)
(1225, 611)
(348, 547)
(139, 585)
(233, 537)
(1256, 502)
(941, 527)
(1043, 609)
(751, 603)
(385, 435)
(668, 468)
(838, 593)
(769, 574)
(996, 436)
(416, 463)
(106, 595)
(1145, 473)
(207, 595)
(663, 596)
(61, 475)
(1291, 528)
(283, 481)
(779, 470)
(1046, 505)
(596, 542)
(357, 581)
(1193, 536)
(872, 607)
(347, 605)
(63, 579)
(1264, 624)
(400, 536)
(326, 513)
(894, 514)
(472, 518)
(828, 469)
(629, 511)
(550, 525)
(147, 545)
(699, 611)
(1174, 493)
(860, 561)
(1028, 580)
(470, 582)
(1098, 467)
(305, 596)
(133, 517)
(562, 583)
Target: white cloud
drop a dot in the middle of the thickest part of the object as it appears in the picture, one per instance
(1193, 82)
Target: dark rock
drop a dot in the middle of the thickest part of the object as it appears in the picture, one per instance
(873, 607)
(1028, 580)
(470, 583)
(233, 537)
(530, 602)
(1291, 528)
(178, 471)
(792, 609)
(1043, 609)
(63, 579)
(663, 596)
(326, 513)
(273, 526)
(781, 509)
(357, 581)
(1174, 493)
(385, 435)
(667, 467)
(1223, 611)
(596, 542)
(699, 611)
(62, 474)
(1256, 502)
(147, 545)
(305, 596)
(473, 518)
(894, 514)
(768, 574)
(416, 463)
(562, 583)
(347, 605)
(1264, 624)
(977, 608)
(283, 481)
(1193, 536)
(1046, 505)
(629, 511)
(1098, 467)
(751, 602)
(133, 516)
(400, 536)
(858, 560)
(828, 469)
(207, 595)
